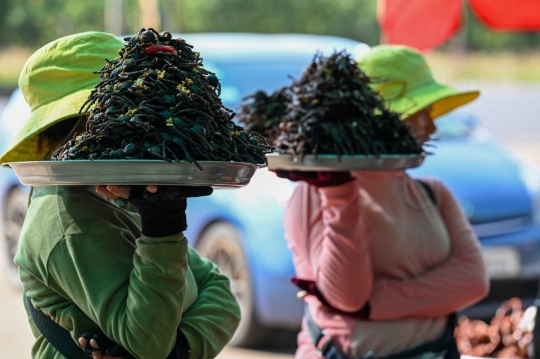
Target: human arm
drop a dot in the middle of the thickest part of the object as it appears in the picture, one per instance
(134, 293)
(98, 346)
(211, 321)
(324, 230)
(455, 283)
(137, 305)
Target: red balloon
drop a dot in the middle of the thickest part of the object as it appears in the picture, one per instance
(426, 24)
(512, 15)
(421, 24)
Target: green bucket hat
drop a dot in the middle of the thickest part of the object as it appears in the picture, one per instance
(56, 81)
(403, 78)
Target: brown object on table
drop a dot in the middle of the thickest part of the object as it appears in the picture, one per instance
(505, 337)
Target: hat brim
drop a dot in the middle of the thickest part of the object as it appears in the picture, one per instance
(24, 146)
(442, 98)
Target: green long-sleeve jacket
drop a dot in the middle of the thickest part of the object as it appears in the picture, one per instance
(84, 262)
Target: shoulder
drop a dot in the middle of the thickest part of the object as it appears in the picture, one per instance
(59, 212)
(304, 190)
(438, 187)
(304, 197)
(42, 220)
(82, 211)
(431, 180)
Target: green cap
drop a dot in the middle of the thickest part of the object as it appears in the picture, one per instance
(56, 81)
(403, 78)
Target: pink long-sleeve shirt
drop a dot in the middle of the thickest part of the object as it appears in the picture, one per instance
(380, 239)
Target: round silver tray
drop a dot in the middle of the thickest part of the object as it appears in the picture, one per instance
(133, 172)
(344, 163)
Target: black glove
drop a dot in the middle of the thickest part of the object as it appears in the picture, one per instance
(180, 350)
(317, 179)
(164, 213)
(105, 345)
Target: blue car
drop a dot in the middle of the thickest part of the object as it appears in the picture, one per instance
(13, 196)
(242, 231)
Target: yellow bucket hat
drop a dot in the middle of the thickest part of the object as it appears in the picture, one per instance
(403, 78)
(56, 81)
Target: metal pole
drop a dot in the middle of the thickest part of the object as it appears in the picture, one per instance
(114, 16)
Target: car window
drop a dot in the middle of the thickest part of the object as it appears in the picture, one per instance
(456, 124)
(13, 118)
(238, 81)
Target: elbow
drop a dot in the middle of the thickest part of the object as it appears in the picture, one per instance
(359, 306)
(474, 278)
(477, 292)
(150, 347)
(479, 288)
(484, 287)
(484, 283)
(152, 352)
(352, 307)
(350, 299)
(235, 313)
(235, 316)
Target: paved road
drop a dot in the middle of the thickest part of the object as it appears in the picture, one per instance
(512, 113)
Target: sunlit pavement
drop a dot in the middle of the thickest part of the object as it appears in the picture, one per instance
(233, 353)
(15, 336)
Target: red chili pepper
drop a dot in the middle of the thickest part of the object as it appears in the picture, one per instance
(156, 48)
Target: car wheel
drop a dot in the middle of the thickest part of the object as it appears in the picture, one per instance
(15, 212)
(221, 243)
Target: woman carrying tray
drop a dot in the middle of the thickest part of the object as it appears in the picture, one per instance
(382, 265)
(94, 267)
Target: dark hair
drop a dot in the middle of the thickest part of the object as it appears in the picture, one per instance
(55, 136)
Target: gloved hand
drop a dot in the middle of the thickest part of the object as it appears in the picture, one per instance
(309, 287)
(164, 213)
(317, 179)
(98, 342)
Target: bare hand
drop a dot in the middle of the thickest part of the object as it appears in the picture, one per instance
(97, 353)
(115, 192)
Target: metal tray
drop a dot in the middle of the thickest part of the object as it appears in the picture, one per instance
(133, 172)
(344, 163)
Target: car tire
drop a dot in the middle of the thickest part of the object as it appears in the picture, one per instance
(15, 211)
(221, 243)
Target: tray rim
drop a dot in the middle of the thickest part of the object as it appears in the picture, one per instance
(309, 161)
(61, 179)
(330, 155)
(7, 164)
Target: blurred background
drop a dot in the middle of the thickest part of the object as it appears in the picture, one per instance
(465, 48)
(26, 25)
